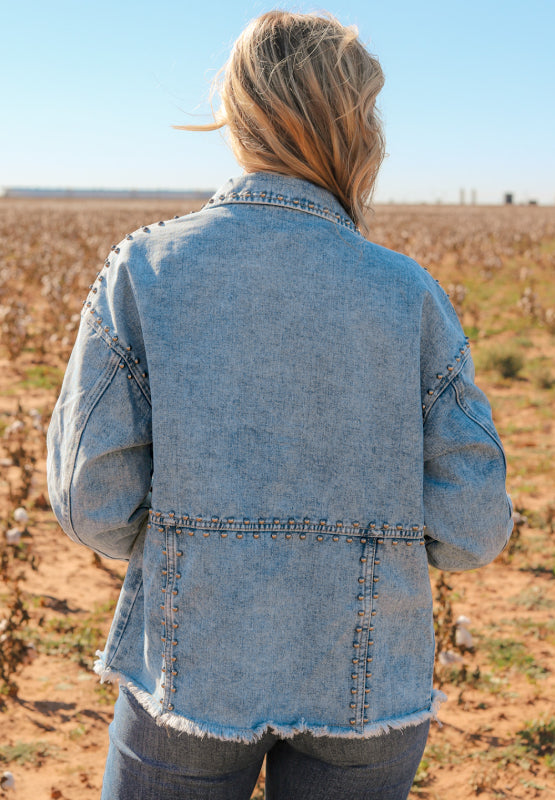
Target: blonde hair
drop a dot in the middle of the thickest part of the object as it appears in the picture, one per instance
(298, 96)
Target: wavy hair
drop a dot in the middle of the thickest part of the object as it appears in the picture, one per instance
(298, 96)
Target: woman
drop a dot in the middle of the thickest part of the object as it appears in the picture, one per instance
(276, 422)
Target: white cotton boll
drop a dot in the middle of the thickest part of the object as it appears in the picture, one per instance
(13, 535)
(462, 620)
(15, 427)
(448, 657)
(463, 637)
(21, 516)
(7, 781)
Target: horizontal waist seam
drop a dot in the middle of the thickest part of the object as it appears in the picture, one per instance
(274, 525)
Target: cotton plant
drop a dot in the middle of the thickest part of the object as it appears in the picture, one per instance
(7, 781)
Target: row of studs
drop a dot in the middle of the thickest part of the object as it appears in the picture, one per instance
(295, 202)
(288, 535)
(302, 536)
(306, 525)
(357, 643)
(450, 368)
(169, 671)
(88, 306)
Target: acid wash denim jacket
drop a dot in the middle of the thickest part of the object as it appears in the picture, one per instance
(275, 421)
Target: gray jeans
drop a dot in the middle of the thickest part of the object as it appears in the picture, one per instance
(149, 762)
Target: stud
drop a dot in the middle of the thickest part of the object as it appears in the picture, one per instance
(356, 660)
(363, 560)
(274, 535)
(375, 596)
(348, 541)
(352, 705)
(450, 368)
(353, 691)
(129, 376)
(385, 526)
(353, 721)
(358, 630)
(128, 237)
(376, 580)
(121, 366)
(114, 338)
(336, 538)
(377, 561)
(439, 377)
(287, 535)
(354, 676)
(409, 544)
(320, 538)
(206, 534)
(366, 705)
(136, 361)
(161, 222)
(146, 229)
(170, 707)
(163, 638)
(367, 691)
(395, 543)
(430, 391)
(380, 541)
(302, 536)
(256, 536)
(363, 541)
(361, 613)
(365, 720)
(361, 580)
(239, 535)
(360, 597)
(356, 644)
(223, 535)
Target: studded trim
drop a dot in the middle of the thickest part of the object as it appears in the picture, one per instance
(445, 377)
(285, 528)
(295, 203)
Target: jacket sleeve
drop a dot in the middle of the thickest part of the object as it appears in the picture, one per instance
(467, 512)
(99, 461)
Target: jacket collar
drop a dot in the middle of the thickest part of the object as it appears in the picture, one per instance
(268, 188)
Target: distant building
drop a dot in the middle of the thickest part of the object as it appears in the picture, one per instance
(109, 194)
(508, 199)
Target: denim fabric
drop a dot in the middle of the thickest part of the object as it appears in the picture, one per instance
(276, 422)
(150, 762)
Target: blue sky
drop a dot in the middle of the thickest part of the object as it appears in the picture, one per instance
(90, 90)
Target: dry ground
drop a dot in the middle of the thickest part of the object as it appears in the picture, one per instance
(498, 733)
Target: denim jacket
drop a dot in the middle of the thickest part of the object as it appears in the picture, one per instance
(275, 421)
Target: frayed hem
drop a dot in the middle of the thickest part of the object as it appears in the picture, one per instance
(246, 736)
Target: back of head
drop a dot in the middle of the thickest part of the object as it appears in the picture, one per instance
(298, 96)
